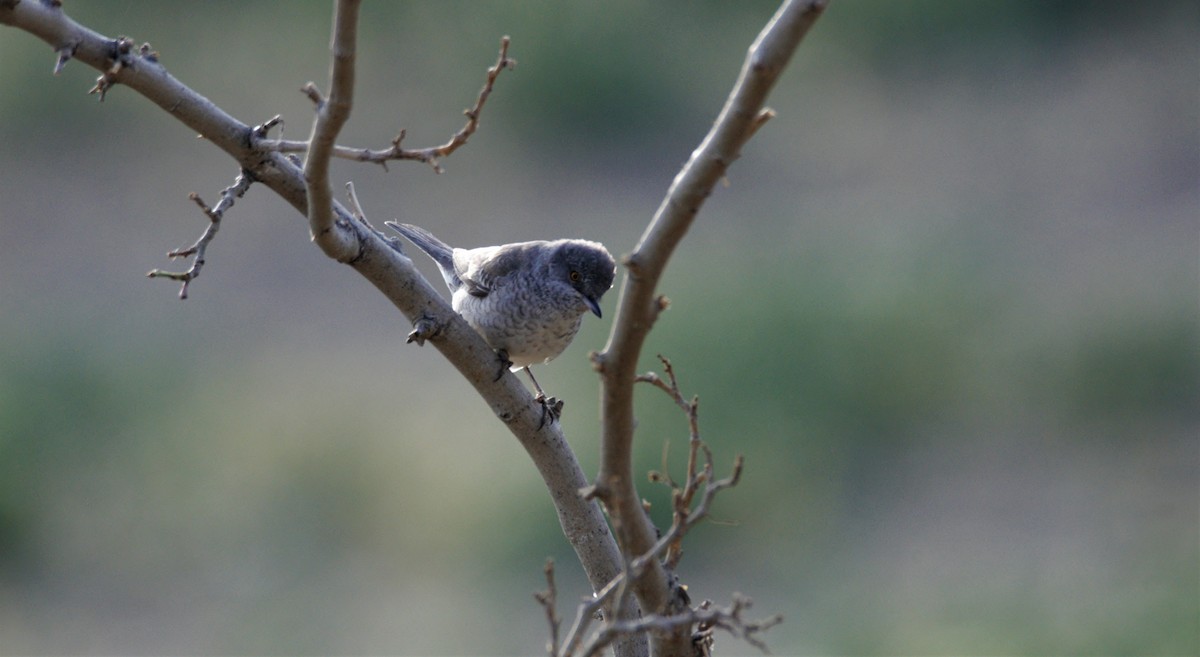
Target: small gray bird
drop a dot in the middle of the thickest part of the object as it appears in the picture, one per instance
(526, 299)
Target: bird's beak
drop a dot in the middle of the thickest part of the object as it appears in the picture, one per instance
(593, 305)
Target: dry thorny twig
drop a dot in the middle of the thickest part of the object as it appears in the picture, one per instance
(429, 155)
(706, 617)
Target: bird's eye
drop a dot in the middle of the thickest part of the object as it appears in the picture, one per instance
(575, 276)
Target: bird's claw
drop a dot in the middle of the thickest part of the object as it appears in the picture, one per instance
(551, 407)
(505, 364)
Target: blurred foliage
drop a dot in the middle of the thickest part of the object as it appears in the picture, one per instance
(946, 307)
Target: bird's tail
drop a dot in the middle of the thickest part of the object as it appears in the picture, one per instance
(441, 252)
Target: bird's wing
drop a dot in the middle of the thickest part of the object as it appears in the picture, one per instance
(476, 288)
(473, 268)
(483, 269)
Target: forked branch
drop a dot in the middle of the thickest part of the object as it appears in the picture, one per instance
(698, 480)
(197, 250)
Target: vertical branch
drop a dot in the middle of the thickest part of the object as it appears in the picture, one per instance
(639, 306)
(337, 241)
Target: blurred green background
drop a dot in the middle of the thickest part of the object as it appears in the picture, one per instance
(946, 308)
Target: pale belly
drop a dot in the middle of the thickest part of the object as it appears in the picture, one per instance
(530, 331)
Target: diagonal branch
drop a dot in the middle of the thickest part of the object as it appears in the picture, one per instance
(639, 306)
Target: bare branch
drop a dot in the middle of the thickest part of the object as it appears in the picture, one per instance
(690, 407)
(337, 241)
(742, 115)
(395, 151)
(684, 517)
(459, 138)
(198, 249)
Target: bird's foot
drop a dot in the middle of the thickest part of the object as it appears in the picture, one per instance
(551, 409)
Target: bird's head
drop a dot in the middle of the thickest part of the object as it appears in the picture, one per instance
(587, 267)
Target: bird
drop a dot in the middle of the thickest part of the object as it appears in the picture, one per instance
(526, 299)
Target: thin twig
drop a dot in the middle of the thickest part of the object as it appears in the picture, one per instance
(197, 250)
(684, 516)
(681, 497)
(549, 600)
(430, 155)
(355, 206)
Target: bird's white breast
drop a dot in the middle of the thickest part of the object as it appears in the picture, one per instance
(533, 326)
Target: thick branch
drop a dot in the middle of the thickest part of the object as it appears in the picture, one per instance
(638, 308)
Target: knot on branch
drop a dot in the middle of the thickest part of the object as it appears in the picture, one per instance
(598, 359)
(633, 264)
(314, 94)
(122, 55)
(147, 53)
